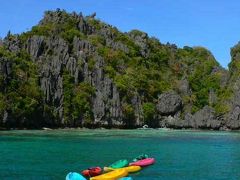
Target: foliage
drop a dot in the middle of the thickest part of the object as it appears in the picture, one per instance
(21, 94)
(133, 72)
(68, 85)
(77, 101)
(96, 40)
(82, 102)
(149, 111)
(95, 23)
(69, 35)
(91, 63)
(202, 79)
(128, 112)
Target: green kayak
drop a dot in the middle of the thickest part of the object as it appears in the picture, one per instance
(119, 164)
(140, 157)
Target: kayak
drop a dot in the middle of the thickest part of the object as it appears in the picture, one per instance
(140, 157)
(126, 178)
(144, 162)
(129, 169)
(119, 164)
(90, 172)
(74, 176)
(118, 173)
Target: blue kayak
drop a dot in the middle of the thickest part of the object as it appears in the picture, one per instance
(74, 176)
(126, 178)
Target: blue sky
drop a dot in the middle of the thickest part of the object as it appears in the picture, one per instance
(213, 24)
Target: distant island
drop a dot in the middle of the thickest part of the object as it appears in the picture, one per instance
(72, 70)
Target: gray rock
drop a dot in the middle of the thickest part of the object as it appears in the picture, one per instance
(203, 119)
(224, 75)
(93, 15)
(80, 46)
(189, 121)
(184, 87)
(6, 69)
(106, 33)
(141, 39)
(35, 46)
(117, 45)
(58, 16)
(54, 57)
(106, 101)
(233, 119)
(206, 119)
(236, 86)
(138, 111)
(212, 98)
(5, 117)
(171, 122)
(84, 27)
(169, 103)
(12, 43)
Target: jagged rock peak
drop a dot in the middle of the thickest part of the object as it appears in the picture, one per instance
(93, 15)
(61, 16)
(235, 52)
(90, 73)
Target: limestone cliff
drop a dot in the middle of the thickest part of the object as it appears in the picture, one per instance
(73, 70)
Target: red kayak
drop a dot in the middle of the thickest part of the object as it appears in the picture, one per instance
(90, 172)
(143, 162)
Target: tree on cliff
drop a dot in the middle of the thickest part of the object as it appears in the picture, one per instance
(74, 70)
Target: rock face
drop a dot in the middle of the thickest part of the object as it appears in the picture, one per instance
(234, 118)
(141, 39)
(169, 103)
(203, 119)
(5, 69)
(12, 43)
(35, 46)
(106, 102)
(5, 76)
(184, 87)
(90, 55)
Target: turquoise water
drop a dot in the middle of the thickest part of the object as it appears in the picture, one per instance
(178, 154)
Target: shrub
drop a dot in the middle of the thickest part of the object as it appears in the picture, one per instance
(149, 111)
(69, 35)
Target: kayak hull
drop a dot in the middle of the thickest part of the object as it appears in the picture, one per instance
(116, 174)
(140, 157)
(129, 169)
(90, 172)
(126, 178)
(119, 164)
(74, 176)
(144, 162)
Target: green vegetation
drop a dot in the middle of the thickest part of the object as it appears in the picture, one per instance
(128, 111)
(69, 35)
(149, 111)
(82, 106)
(137, 64)
(21, 94)
(77, 101)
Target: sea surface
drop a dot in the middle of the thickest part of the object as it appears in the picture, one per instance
(179, 154)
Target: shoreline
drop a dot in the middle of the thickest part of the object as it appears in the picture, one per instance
(123, 129)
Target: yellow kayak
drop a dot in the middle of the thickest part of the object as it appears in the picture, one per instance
(113, 175)
(129, 169)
